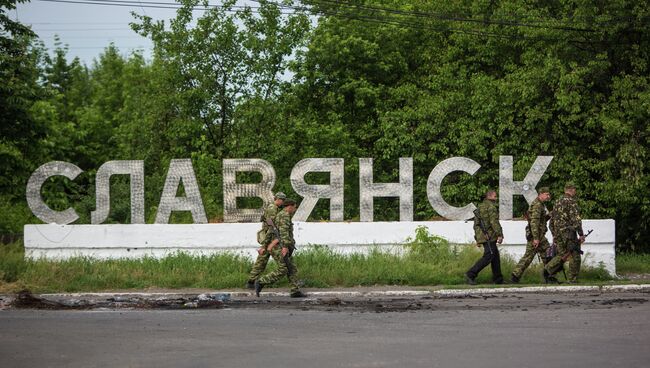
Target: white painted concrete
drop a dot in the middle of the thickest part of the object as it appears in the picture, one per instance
(158, 240)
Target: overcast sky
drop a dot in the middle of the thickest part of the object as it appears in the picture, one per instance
(88, 29)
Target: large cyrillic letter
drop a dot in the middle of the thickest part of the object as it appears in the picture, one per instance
(33, 191)
(181, 170)
(368, 189)
(434, 183)
(232, 190)
(312, 192)
(508, 187)
(135, 170)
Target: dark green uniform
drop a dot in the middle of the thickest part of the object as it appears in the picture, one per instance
(263, 259)
(285, 264)
(567, 225)
(487, 212)
(536, 230)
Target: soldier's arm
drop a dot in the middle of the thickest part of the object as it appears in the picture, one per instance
(576, 220)
(284, 225)
(494, 221)
(535, 215)
(270, 212)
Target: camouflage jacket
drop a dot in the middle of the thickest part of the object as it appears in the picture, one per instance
(566, 218)
(490, 216)
(537, 218)
(285, 226)
(269, 213)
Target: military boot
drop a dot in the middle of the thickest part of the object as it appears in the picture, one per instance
(258, 288)
(545, 275)
(552, 280)
(514, 279)
(297, 294)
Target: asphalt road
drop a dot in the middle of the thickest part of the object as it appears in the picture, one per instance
(506, 331)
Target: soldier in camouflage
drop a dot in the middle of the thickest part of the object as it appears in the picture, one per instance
(568, 234)
(538, 216)
(281, 250)
(265, 236)
(488, 233)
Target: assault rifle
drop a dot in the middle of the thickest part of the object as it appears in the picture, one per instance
(481, 224)
(575, 248)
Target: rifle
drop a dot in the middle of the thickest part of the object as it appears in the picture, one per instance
(481, 224)
(276, 232)
(575, 248)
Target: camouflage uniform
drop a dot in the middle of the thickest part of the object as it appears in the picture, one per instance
(488, 213)
(566, 223)
(263, 259)
(536, 230)
(285, 265)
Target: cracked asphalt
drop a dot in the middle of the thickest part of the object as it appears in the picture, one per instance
(581, 329)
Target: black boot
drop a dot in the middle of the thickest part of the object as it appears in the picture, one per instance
(552, 280)
(514, 279)
(297, 294)
(258, 288)
(250, 284)
(470, 280)
(545, 275)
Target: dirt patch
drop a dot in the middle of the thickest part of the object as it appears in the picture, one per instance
(502, 302)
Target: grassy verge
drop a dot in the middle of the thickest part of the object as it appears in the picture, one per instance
(427, 260)
(633, 263)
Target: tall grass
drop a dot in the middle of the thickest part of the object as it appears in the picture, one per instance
(425, 260)
(632, 263)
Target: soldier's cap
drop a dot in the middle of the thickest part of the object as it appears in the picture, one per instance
(280, 195)
(569, 185)
(544, 190)
(289, 202)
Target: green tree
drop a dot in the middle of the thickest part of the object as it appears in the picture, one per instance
(484, 79)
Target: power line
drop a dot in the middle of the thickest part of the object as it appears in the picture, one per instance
(82, 30)
(103, 47)
(418, 25)
(149, 4)
(131, 5)
(444, 17)
(530, 20)
(388, 20)
(75, 23)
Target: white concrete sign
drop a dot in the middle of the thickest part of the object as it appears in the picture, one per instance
(54, 241)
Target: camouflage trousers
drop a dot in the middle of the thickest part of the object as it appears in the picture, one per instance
(556, 264)
(259, 266)
(528, 257)
(285, 268)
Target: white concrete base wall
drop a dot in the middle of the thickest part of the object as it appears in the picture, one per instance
(157, 240)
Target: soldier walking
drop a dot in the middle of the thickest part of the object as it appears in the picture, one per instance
(281, 249)
(568, 234)
(536, 230)
(264, 237)
(488, 233)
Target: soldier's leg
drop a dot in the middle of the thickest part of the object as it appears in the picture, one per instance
(524, 262)
(542, 251)
(280, 272)
(481, 263)
(259, 266)
(574, 266)
(292, 275)
(495, 264)
(556, 263)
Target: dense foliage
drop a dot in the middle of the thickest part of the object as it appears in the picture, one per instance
(366, 78)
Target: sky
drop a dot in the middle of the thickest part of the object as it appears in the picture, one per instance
(88, 29)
